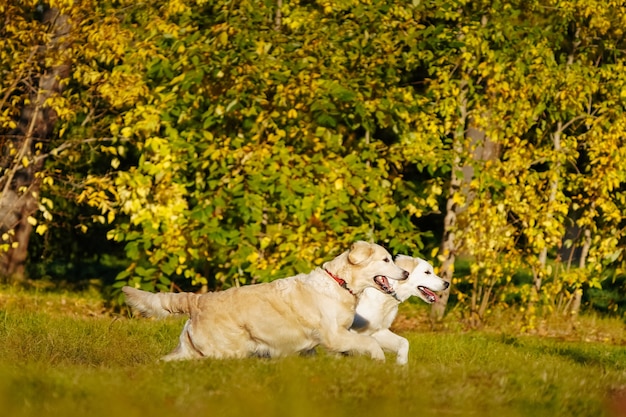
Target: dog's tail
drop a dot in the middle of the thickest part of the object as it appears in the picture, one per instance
(160, 304)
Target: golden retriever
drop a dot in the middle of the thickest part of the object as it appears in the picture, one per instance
(282, 317)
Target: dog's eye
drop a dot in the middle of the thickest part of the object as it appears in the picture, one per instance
(386, 260)
(428, 272)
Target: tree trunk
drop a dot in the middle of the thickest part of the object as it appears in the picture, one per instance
(554, 188)
(461, 177)
(482, 149)
(448, 250)
(448, 245)
(578, 292)
(20, 182)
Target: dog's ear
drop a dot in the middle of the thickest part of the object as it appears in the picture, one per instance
(406, 262)
(360, 252)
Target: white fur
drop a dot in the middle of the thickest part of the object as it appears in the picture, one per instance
(375, 311)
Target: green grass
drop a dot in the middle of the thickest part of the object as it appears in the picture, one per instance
(61, 356)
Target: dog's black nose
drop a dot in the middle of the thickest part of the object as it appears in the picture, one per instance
(446, 284)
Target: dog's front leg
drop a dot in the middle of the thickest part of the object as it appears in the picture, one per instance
(347, 341)
(391, 342)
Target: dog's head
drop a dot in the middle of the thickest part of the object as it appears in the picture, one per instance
(367, 265)
(422, 281)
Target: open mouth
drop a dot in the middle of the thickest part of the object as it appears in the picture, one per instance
(383, 283)
(428, 295)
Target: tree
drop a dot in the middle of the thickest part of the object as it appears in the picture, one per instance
(59, 94)
(269, 149)
(530, 91)
(37, 66)
(226, 143)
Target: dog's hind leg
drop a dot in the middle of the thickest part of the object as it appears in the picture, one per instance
(391, 342)
(186, 348)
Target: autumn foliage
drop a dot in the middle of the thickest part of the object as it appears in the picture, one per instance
(233, 142)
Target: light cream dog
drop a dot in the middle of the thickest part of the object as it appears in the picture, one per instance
(282, 317)
(375, 311)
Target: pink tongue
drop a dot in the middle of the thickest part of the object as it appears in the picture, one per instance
(429, 293)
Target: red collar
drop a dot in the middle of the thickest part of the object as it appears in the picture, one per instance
(339, 281)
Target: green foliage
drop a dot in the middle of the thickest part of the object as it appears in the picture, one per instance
(534, 81)
(227, 143)
(265, 148)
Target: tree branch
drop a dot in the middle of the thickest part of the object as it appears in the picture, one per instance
(19, 77)
(67, 145)
(278, 21)
(25, 146)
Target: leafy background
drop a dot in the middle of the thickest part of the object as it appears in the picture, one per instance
(206, 144)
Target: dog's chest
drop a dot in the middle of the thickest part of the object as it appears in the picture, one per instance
(376, 310)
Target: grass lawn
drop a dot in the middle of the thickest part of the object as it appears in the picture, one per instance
(63, 355)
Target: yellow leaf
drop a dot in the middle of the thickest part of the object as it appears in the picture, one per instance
(32, 221)
(41, 229)
(25, 162)
(253, 257)
(223, 38)
(265, 242)
(46, 201)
